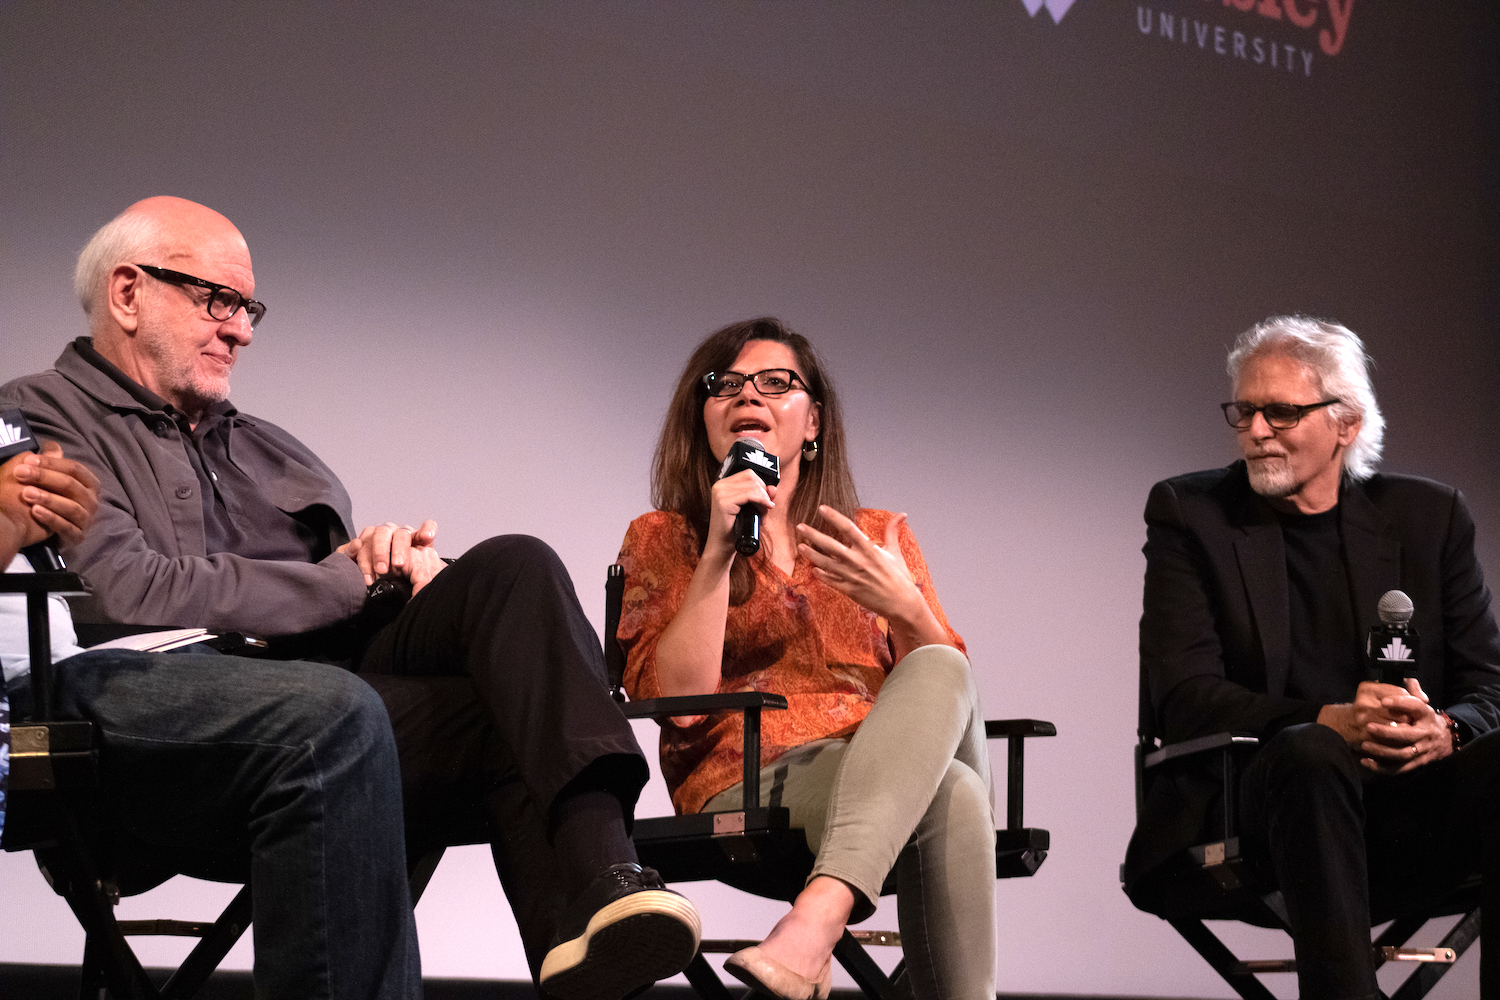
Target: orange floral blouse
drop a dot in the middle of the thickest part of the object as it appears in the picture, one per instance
(795, 636)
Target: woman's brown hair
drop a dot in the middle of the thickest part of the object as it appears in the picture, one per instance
(684, 468)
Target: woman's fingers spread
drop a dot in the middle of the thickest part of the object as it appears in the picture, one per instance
(845, 527)
(893, 533)
(815, 539)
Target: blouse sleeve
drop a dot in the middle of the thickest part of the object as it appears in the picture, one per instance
(912, 554)
(659, 556)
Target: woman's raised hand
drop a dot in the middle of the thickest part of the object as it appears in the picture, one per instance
(874, 576)
(728, 496)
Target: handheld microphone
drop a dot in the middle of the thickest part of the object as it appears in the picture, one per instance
(1393, 646)
(15, 435)
(16, 439)
(748, 453)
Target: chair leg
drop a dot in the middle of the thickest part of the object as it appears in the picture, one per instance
(1425, 976)
(1399, 931)
(111, 956)
(210, 951)
(1205, 943)
(91, 976)
(704, 981)
(900, 982)
(862, 968)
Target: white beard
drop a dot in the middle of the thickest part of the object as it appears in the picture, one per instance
(176, 368)
(1271, 477)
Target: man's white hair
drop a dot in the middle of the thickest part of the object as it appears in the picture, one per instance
(128, 238)
(1336, 356)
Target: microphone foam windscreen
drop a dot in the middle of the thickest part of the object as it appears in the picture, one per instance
(1395, 608)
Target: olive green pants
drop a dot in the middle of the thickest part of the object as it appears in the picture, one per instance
(910, 790)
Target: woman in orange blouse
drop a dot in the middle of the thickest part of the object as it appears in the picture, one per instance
(880, 757)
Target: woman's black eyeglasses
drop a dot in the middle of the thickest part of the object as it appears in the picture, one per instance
(223, 301)
(1282, 416)
(771, 382)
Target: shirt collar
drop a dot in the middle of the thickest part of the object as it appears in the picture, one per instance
(212, 416)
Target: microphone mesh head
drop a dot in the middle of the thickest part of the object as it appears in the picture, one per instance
(1395, 608)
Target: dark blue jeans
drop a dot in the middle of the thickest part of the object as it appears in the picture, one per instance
(214, 759)
(1348, 846)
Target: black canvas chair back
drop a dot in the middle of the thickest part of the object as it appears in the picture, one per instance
(1220, 879)
(755, 849)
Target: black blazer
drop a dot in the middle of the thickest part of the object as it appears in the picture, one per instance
(1215, 642)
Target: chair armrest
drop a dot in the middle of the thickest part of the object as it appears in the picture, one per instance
(1223, 744)
(994, 729)
(748, 702)
(36, 587)
(1016, 732)
(63, 584)
(1201, 744)
(701, 704)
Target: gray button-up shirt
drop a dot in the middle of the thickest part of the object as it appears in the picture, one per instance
(147, 555)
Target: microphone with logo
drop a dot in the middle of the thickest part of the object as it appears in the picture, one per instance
(1393, 645)
(748, 453)
(15, 439)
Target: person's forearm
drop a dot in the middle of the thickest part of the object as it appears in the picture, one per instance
(920, 628)
(1208, 703)
(134, 584)
(691, 648)
(16, 522)
(12, 540)
(1340, 718)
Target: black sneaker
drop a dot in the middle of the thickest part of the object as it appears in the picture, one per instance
(624, 933)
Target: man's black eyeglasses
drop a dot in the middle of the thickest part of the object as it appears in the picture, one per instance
(771, 382)
(223, 301)
(1282, 416)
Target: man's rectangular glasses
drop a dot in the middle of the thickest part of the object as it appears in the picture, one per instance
(1282, 416)
(223, 301)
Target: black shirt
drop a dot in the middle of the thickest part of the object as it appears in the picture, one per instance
(1326, 650)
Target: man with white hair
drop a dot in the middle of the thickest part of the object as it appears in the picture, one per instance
(490, 671)
(1262, 581)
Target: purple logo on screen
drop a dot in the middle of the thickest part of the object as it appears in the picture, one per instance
(1057, 8)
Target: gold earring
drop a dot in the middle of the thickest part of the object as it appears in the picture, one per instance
(810, 451)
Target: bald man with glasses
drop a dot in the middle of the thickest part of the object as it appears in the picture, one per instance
(490, 671)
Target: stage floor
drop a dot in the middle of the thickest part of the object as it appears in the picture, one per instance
(60, 982)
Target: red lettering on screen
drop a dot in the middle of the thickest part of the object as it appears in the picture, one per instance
(1305, 14)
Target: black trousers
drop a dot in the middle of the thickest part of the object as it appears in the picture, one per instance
(1350, 847)
(495, 684)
